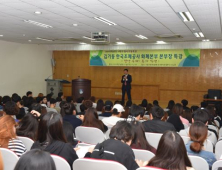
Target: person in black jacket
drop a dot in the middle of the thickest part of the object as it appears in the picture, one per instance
(117, 148)
(51, 138)
(126, 85)
(156, 125)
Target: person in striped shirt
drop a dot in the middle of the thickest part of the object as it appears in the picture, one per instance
(8, 137)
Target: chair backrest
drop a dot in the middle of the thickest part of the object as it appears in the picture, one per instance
(107, 133)
(97, 164)
(153, 138)
(217, 165)
(213, 128)
(89, 135)
(218, 149)
(208, 145)
(101, 117)
(10, 159)
(60, 163)
(27, 142)
(143, 155)
(186, 139)
(149, 168)
(198, 163)
(185, 126)
(220, 132)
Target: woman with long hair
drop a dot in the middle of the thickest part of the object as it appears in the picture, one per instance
(8, 138)
(35, 160)
(90, 119)
(171, 153)
(100, 106)
(28, 126)
(198, 134)
(139, 141)
(51, 138)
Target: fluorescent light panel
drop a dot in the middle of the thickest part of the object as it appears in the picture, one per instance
(141, 36)
(198, 34)
(120, 43)
(82, 43)
(88, 38)
(161, 42)
(44, 39)
(186, 16)
(206, 40)
(105, 20)
(37, 23)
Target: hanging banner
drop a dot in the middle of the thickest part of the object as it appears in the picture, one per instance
(146, 58)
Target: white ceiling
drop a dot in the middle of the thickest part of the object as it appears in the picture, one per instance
(147, 17)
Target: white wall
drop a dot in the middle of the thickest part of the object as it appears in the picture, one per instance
(23, 67)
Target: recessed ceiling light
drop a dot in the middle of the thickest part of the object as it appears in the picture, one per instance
(44, 39)
(198, 34)
(30, 40)
(88, 38)
(82, 43)
(38, 12)
(161, 42)
(75, 25)
(37, 23)
(1, 35)
(206, 40)
(105, 20)
(120, 43)
(141, 36)
(186, 16)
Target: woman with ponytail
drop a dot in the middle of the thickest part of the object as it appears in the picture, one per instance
(198, 135)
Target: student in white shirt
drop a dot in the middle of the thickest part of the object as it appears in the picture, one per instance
(116, 114)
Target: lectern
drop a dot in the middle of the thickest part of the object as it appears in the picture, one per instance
(81, 88)
(54, 86)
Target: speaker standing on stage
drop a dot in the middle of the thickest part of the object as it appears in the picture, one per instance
(126, 85)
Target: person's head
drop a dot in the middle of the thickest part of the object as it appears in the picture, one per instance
(203, 104)
(35, 159)
(87, 104)
(83, 108)
(156, 113)
(16, 98)
(194, 108)
(28, 101)
(68, 109)
(201, 115)
(119, 108)
(7, 130)
(50, 128)
(129, 103)
(171, 153)
(49, 96)
(184, 102)
(14, 94)
(80, 100)
(144, 103)
(69, 131)
(100, 105)
(171, 103)
(69, 99)
(28, 126)
(60, 95)
(52, 103)
(108, 105)
(29, 94)
(44, 100)
(38, 100)
(116, 113)
(93, 99)
(11, 108)
(40, 95)
(125, 71)
(139, 136)
(122, 131)
(5, 99)
(198, 134)
(36, 106)
(137, 111)
(187, 114)
(178, 109)
(155, 103)
(58, 99)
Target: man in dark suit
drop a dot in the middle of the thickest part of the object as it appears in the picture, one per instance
(126, 85)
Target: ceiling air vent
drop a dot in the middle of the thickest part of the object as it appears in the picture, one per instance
(169, 36)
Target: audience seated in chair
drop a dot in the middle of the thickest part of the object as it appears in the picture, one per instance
(100, 106)
(108, 109)
(169, 108)
(156, 125)
(176, 118)
(90, 119)
(184, 102)
(139, 140)
(117, 148)
(201, 115)
(35, 160)
(51, 138)
(69, 133)
(198, 134)
(136, 113)
(52, 106)
(116, 114)
(171, 153)
(8, 138)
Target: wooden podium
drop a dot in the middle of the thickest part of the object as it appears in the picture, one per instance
(81, 88)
